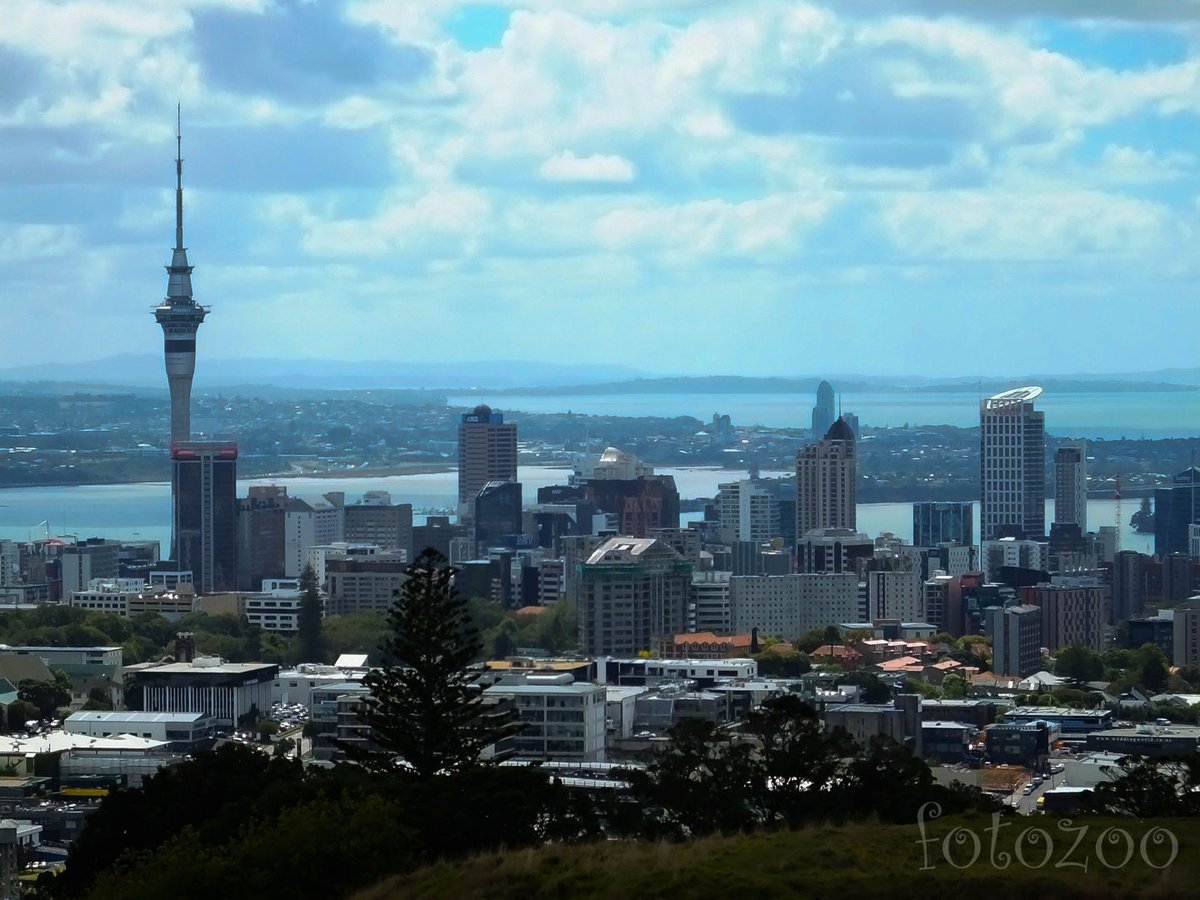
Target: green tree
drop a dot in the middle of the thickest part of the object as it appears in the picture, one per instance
(49, 695)
(20, 712)
(422, 707)
(267, 729)
(799, 762)
(701, 784)
(98, 699)
(309, 621)
(812, 640)
(1149, 668)
(1079, 663)
(954, 688)
(1149, 788)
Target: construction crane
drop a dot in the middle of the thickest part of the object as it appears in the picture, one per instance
(1117, 516)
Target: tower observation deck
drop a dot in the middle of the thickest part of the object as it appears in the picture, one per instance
(180, 316)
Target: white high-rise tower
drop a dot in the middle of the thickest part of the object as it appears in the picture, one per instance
(1012, 451)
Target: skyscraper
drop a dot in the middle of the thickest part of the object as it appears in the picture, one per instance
(822, 414)
(1012, 445)
(1176, 508)
(180, 316)
(487, 451)
(632, 591)
(748, 511)
(1070, 485)
(937, 522)
(826, 491)
(204, 513)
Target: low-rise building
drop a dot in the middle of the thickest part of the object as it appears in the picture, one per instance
(1024, 743)
(232, 693)
(184, 732)
(978, 713)
(653, 672)
(1069, 721)
(705, 645)
(1147, 740)
(108, 595)
(298, 685)
(172, 604)
(101, 662)
(563, 719)
(330, 704)
(277, 610)
(946, 742)
(900, 721)
(659, 710)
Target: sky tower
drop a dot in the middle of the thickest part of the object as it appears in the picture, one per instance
(180, 316)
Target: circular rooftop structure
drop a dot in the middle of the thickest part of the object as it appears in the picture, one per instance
(1014, 397)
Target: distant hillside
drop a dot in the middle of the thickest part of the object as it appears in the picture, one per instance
(146, 369)
(859, 861)
(736, 384)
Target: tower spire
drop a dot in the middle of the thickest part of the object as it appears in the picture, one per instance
(178, 176)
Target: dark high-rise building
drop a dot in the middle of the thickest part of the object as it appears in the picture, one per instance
(936, 523)
(1012, 444)
(1016, 633)
(376, 520)
(1128, 586)
(204, 513)
(497, 515)
(1070, 485)
(823, 413)
(487, 451)
(261, 535)
(180, 316)
(826, 482)
(640, 504)
(1180, 579)
(1176, 506)
(436, 534)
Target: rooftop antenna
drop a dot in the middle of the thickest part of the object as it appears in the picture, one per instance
(178, 175)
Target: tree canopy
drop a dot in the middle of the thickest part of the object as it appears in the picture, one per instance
(424, 712)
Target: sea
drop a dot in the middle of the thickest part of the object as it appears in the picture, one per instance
(142, 512)
(1103, 415)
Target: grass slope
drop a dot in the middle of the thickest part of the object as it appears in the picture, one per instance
(860, 861)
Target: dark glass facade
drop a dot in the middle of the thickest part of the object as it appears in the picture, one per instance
(204, 519)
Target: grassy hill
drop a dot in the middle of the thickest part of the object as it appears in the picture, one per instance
(860, 861)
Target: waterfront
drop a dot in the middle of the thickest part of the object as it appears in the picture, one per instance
(143, 511)
(1091, 414)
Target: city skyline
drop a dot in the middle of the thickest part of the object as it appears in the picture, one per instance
(448, 169)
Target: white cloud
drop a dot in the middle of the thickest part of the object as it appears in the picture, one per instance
(566, 166)
(26, 243)
(762, 227)
(1033, 222)
(441, 222)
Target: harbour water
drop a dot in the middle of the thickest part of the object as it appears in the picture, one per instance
(143, 511)
(1095, 414)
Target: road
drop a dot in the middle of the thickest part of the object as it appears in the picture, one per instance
(1026, 804)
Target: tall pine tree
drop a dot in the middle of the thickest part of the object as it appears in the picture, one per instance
(423, 707)
(309, 624)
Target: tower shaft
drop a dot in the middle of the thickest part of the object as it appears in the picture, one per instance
(180, 316)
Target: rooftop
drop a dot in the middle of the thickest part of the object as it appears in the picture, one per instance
(139, 717)
(56, 741)
(1013, 397)
(584, 687)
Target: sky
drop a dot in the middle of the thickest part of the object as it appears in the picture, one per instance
(933, 187)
